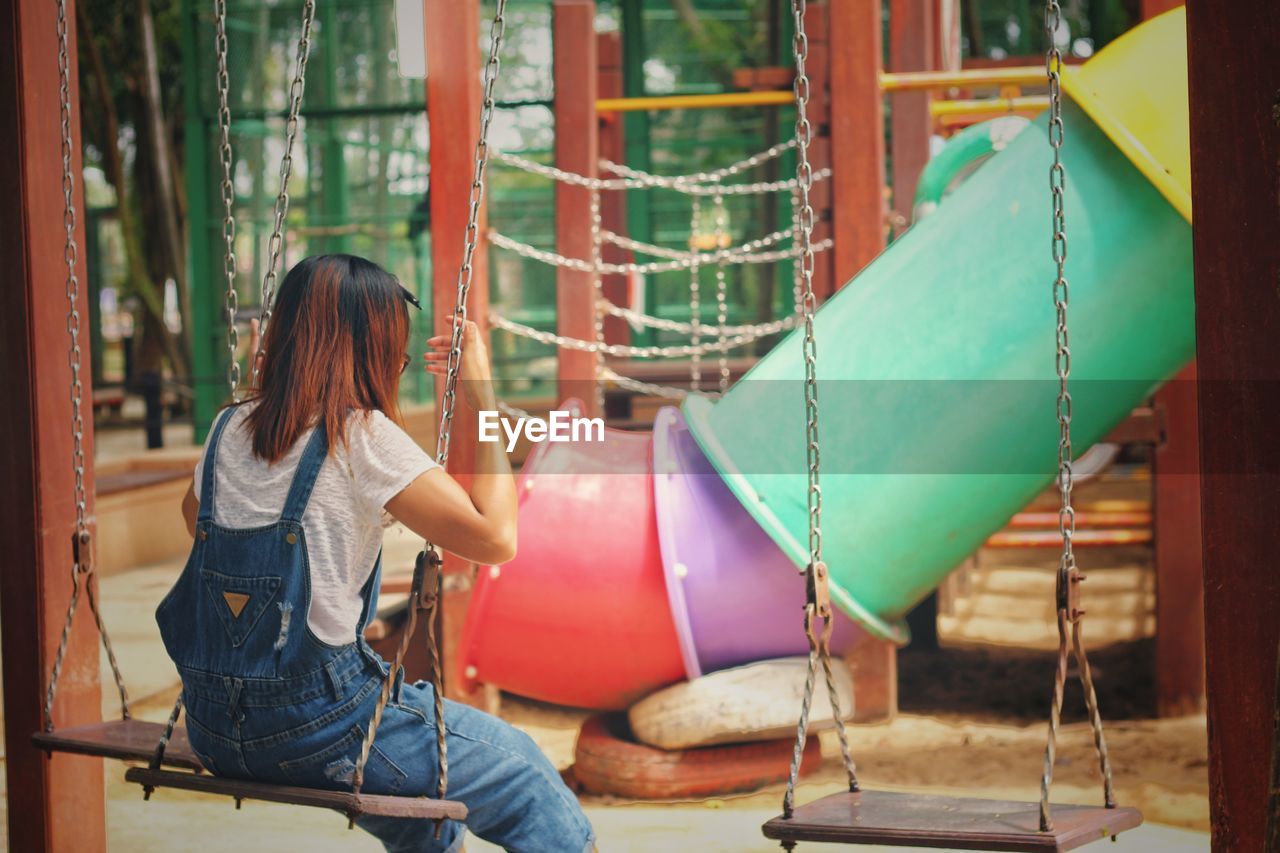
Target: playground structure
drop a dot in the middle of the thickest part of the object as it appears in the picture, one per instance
(592, 289)
(566, 377)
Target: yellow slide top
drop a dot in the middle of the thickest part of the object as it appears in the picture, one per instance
(1135, 89)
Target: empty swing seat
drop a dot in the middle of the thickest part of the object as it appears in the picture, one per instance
(125, 740)
(352, 805)
(923, 820)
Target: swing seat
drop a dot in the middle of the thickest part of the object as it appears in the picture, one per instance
(126, 740)
(965, 823)
(352, 805)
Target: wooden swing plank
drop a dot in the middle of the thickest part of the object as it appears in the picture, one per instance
(342, 801)
(126, 740)
(923, 820)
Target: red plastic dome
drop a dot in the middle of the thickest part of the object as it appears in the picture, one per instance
(580, 616)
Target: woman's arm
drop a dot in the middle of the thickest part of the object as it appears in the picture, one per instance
(478, 523)
(190, 508)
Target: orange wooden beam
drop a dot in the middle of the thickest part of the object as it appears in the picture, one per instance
(53, 803)
(820, 151)
(1151, 8)
(577, 150)
(613, 206)
(857, 121)
(453, 112)
(911, 48)
(1179, 563)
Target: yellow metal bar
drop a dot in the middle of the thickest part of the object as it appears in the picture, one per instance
(989, 107)
(695, 102)
(970, 78)
(906, 81)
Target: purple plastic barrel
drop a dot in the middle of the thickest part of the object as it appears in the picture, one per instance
(735, 596)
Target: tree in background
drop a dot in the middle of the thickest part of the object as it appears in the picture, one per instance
(132, 121)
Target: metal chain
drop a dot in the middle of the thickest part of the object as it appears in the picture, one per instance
(650, 389)
(276, 241)
(472, 234)
(756, 188)
(466, 269)
(157, 755)
(719, 219)
(688, 261)
(498, 321)
(797, 278)
(743, 165)
(597, 293)
(231, 299)
(82, 544)
(1069, 576)
(695, 302)
(676, 184)
(818, 602)
(678, 254)
(650, 322)
(71, 255)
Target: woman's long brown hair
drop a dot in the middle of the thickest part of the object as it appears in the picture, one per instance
(336, 343)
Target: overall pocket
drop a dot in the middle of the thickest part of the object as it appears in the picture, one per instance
(334, 766)
(239, 601)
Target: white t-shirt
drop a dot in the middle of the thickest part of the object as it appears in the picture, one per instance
(344, 519)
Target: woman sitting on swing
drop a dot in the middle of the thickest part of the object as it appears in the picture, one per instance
(287, 510)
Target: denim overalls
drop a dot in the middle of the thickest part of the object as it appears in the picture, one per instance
(267, 700)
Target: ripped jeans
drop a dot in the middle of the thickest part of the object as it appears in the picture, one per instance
(515, 797)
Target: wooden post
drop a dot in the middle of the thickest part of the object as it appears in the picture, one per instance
(613, 205)
(1179, 577)
(454, 93)
(856, 116)
(874, 667)
(54, 803)
(857, 132)
(578, 151)
(818, 67)
(911, 48)
(1178, 543)
(1235, 134)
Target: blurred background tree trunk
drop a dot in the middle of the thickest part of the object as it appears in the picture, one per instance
(131, 131)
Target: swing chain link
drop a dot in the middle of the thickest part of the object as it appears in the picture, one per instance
(597, 294)
(695, 301)
(82, 539)
(818, 602)
(719, 219)
(232, 298)
(1069, 615)
(276, 241)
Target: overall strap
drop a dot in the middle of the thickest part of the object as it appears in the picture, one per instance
(304, 478)
(207, 480)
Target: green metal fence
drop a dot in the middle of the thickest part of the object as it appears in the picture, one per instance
(360, 176)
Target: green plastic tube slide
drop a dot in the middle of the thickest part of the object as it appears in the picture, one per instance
(936, 368)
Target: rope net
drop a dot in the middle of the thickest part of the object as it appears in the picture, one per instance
(709, 244)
